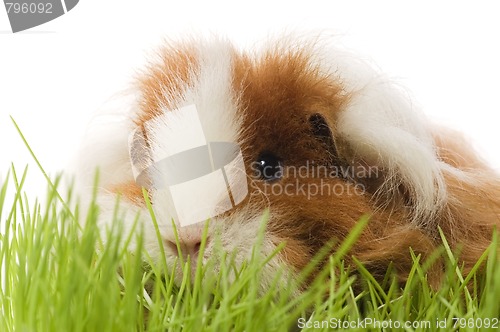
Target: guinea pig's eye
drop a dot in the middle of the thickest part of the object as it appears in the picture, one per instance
(269, 167)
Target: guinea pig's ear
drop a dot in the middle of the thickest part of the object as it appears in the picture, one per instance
(350, 166)
(321, 130)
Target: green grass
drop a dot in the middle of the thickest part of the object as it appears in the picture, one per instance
(57, 275)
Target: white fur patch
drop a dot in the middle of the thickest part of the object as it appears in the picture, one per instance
(380, 123)
(386, 129)
(214, 119)
(175, 131)
(104, 148)
(105, 145)
(382, 126)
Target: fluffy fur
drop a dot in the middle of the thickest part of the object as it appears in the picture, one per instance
(411, 177)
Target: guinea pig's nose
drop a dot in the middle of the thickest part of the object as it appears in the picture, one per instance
(190, 243)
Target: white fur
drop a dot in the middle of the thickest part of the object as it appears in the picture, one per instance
(181, 126)
(106, 147)
(386, 129)
(212, 95)
(380, 123)
(383, 128)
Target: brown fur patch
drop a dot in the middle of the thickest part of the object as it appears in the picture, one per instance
(279, 91)
(277, 94)
(456, 151)
(130, 191)
(473, 203)
(472, 213)
(164, 81)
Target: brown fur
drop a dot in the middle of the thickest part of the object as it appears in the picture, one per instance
(130, 191)
(278, 92)
(163, 81)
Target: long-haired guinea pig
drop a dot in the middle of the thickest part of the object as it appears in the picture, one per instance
(304, 131)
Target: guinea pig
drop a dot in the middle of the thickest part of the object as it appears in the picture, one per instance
(321, 138)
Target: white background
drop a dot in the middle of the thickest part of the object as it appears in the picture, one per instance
(54, 76)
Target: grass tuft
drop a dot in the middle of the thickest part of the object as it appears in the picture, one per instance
(57, 275)
(60, 276)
